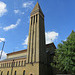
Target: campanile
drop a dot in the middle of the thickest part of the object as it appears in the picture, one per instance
(36, 43)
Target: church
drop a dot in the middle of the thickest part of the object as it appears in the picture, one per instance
(36, 59)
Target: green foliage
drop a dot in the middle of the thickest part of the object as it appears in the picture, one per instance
(64, 58)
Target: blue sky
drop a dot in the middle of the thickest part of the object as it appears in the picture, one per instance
(15, 15)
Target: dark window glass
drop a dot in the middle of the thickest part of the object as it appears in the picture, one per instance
(22, 63)
(16, 64)
(7, 64)
(19, 63)
(36, 18)
(15, 73)
(8, 73)
(31, 20)
(12, 63)
(24, 72)
(1, 65)
(1, 73)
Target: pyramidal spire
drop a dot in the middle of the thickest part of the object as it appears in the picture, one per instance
(36, 9)
(36, 41)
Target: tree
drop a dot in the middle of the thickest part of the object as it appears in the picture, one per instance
(64, 58)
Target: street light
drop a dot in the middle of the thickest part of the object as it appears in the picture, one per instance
(2, 48)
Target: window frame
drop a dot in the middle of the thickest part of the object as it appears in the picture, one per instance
(23, 72)
(8, 73)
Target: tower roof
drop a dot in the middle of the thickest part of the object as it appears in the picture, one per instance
(36, 9)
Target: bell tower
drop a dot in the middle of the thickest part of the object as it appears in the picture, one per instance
(36, 43)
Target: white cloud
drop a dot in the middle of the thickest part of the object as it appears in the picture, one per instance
(3, 9)
(25, 41)
(3, 55)
(2, 39)
(28, 4)
(12, 25)
(16, 11)
(51, 36)
(25, 46)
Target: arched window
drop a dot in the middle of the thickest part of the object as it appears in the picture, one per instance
(31, 74)
(15, 73)
(3, 65)
(36, 18)
(8, 73)
(16, 63)
(7, 64)
(19, 63)
(2, 73)
(31, 20)
(22, 63)
(24, 72)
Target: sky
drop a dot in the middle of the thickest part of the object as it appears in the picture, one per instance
(15, 17)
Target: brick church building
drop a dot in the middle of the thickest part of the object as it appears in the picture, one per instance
(36, 59)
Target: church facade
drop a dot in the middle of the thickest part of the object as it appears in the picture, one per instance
(38, 56)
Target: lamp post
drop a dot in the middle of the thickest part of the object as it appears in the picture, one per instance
(2, 47)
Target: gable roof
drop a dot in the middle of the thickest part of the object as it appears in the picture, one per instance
(21, 51)
(25, 50)
(50, 45)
